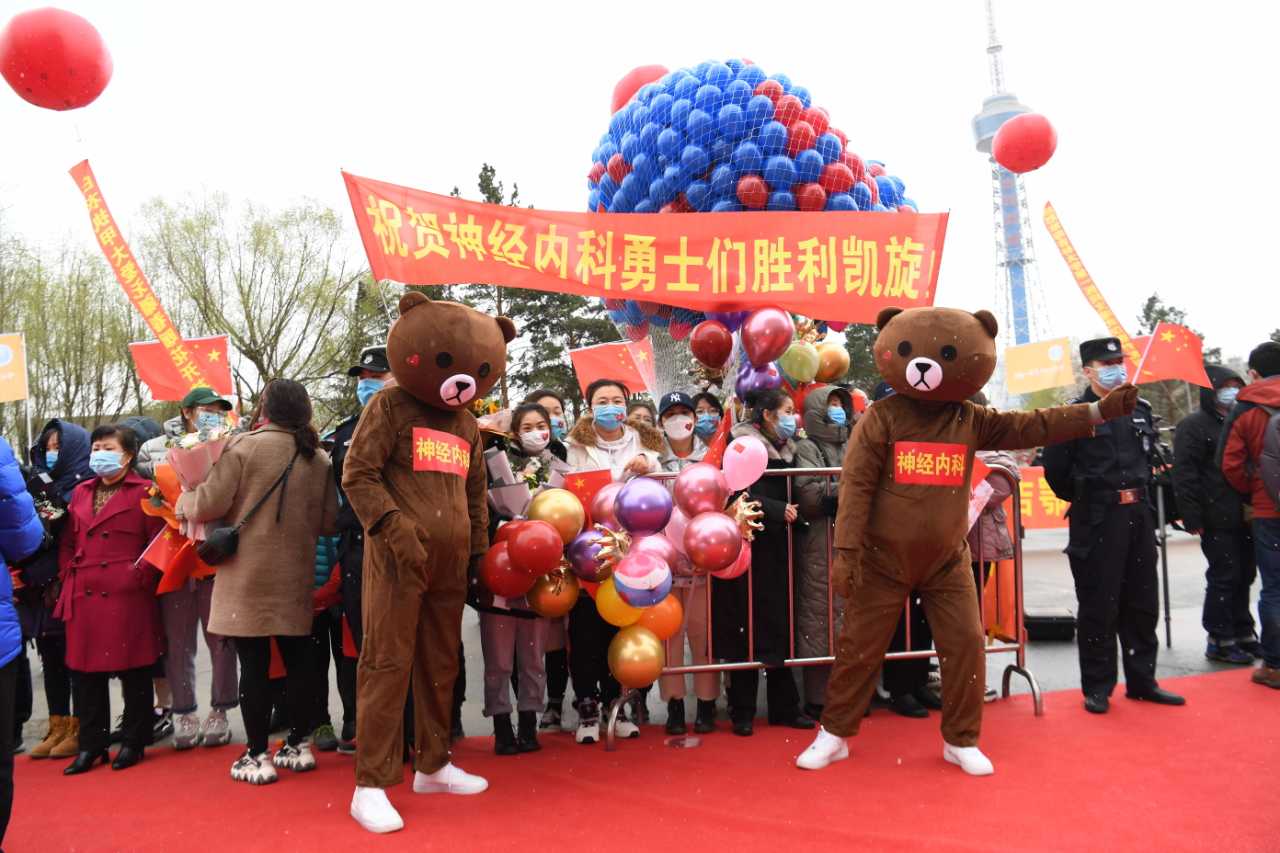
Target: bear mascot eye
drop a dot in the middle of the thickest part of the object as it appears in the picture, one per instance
(484, 370)
(949, 353)
(444, 360)
(904, 349)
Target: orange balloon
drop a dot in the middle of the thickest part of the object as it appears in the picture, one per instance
(833, 362)
(663, 618)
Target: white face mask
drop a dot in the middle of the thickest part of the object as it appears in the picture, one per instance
(535, 441)
(678, 427)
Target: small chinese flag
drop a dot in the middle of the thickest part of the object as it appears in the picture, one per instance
(156, 368)
(172, 554)
(585, 484)
(1130, 367)
(614, 361)
(1174, 352)
(720, 438)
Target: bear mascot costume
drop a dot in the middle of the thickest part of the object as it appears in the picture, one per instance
(415, 477)
(902, 515)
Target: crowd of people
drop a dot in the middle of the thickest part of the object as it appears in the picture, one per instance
(73, 529)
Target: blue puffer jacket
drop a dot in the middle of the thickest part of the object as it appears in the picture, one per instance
(20, 534)
(326, 558)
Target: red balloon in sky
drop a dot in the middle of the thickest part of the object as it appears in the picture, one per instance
(1024, 143)
(54, 59)
(631, 83)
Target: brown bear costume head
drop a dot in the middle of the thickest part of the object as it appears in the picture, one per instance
(936, 354)
(447, 354)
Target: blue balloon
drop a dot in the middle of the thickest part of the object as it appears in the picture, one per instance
(911, 204)
(803, 94)
(888, 192)
(752, 75)
(607, 150)
(725, 206)
(737, 92)
(841, 201)
(644, 167)
(670, 143)
(616, 124)
(781, 200)
(680, 113)
(639, 116)
(694, 160)
(828, 145)
(735, 65)
(701, 127)
(660, 192)
(629, 190)
(808, 166)
(672, 176)
(646, 93)
(708, 98)
(898, 185)
(644, 206)
(773, 138)
(593, 200)
(780, 172)
(620, 204)
(701, 70)
(634, 314)
(879, 208)
(698, 195)
(723, 181)
(747, 158)
(649, 138)
(618, 317)
(685, 87)
(608, 186)
(862, 195)
(784, 80)
(721, 150)
(659, 320)
(718, 74)
(630, 146)
(759, 110)
(732, 123)
(660, 108)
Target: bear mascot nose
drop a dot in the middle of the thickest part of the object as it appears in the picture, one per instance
(924, 374)
(457, 390)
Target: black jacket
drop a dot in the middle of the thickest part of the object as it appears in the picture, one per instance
(1117, 456)
(1205, 498)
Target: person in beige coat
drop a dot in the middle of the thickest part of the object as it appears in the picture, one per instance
(264, 591)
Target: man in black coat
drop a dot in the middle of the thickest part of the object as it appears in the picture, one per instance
(1214, 511)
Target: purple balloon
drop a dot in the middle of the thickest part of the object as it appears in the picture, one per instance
(643, 506)
(731, 319)
(581, 554)
(755, 379)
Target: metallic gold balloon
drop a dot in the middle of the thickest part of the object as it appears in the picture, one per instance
(636, 657)
(561, 509)
(833, 362)
(553, 595)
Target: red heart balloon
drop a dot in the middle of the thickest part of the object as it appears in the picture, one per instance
(54, 59)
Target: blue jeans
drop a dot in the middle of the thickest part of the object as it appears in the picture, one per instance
(1266, 545)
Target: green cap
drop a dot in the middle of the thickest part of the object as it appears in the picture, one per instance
(204, 397)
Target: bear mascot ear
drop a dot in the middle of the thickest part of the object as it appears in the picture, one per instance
(411, 300)
(885, 315)
(508, 329)
(988, 321)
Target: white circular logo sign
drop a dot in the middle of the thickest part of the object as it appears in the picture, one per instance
(6, 355)
(1055, 352)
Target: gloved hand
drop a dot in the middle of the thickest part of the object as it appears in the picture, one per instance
(1121, 400)
(829, 504)
(400, 536)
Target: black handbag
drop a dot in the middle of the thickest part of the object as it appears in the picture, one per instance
(222, 542)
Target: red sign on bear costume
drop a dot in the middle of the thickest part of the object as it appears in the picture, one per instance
(929, 463)
(440, 451)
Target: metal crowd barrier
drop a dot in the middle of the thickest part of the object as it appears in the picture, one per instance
(1018, 648)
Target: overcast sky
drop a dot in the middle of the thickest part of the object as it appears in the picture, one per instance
(1165, 175)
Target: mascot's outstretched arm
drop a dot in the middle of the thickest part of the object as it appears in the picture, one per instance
(1016, 430)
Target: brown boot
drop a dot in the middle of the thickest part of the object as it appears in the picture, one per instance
(69, 746)
(1267, 676)
(57, 731)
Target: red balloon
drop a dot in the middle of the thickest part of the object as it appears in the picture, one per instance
(506, 531)
(536, 548)
(711, 342)
(771, 89)
(54, 59)
(502, 578)
(766, 334)
(870, 183)
(1024, 143)
(712, 541)
(627, 87)
(855, 164)
(876, 170)
(738, 567)
(818, 119)
(836, 178)
(597, 172)
(810, 197)
(788, 109)
(752, 191)
(618, 167)
(800, 137)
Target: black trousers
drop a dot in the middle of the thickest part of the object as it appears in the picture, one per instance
(779, 687)
(8, 691)
(1228, 576)
(23, 696)
(255, 690)
(1115, 576)
(326, 640)
(589, 638)
(58, 686)
(557, 663)
(907, 676)
(93, 702)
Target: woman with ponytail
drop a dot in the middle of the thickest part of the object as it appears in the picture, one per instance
(276, 483)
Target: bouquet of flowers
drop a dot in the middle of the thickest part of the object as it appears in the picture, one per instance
(192, 457)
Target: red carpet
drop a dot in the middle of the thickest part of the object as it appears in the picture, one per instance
(1200, 777)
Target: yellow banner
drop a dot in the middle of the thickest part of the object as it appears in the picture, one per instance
(1034, 367)
(1087, 287)
(13, 368)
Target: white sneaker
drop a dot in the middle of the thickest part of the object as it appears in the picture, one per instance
(588, 722)
(626, 729)
(296, 758)
(254, 769)
(448, 780)
(969, 758)
(372, 810)
(825, 749)
(216, 731)
(186, 731)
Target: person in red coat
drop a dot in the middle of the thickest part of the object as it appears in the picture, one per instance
(108, 601)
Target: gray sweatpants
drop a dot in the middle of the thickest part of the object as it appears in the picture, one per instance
(181, 611)
(505, 640)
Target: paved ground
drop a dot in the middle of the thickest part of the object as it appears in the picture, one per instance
(1048, 582)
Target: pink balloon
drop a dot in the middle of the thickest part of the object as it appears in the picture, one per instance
(712, 541)
(739, 567)
(745, 460)
(602, 504)
(659, 546)
(766, 335)
(675, 528)
(701, 488)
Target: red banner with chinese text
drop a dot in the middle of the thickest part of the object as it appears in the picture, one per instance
(834, 265)
(1041, 508)
(929, 463)
(156, 369)
(445, 452)
(131, 277)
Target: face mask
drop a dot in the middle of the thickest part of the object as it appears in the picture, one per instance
(535, 441)
(838, 416)
(1111, 376)
(1226, 399)
(678, 427)
(706, 425)
(105, 463)
(558, 428)
(785, 426)
(50, 458)
(366, 388)
(206, 421)
(608, 417)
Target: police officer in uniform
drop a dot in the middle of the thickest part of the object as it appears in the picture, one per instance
(1112, 545)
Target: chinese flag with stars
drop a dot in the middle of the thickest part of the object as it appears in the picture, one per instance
(585, 484)
(1174, 352)
(627, 361)
(156, 369)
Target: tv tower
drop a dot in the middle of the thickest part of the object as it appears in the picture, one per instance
(1018, 297)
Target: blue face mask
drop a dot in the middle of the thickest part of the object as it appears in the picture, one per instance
(366, 388)
(706, 425)
(608, 417)
(1111, 376)
(1226, 399)
(206, 421)
(50, 459)
(105, 463)
(786, 426)
(558, 428)
(838, 416)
